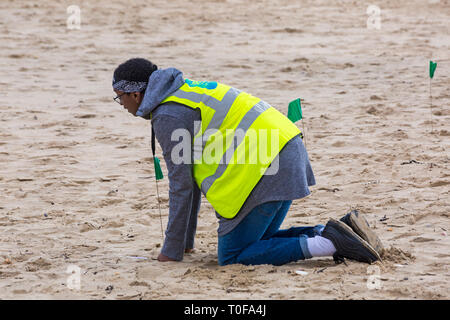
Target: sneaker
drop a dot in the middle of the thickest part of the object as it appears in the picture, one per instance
(348, 244)
(359, 224)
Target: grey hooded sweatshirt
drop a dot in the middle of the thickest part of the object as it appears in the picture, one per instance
(291, 182)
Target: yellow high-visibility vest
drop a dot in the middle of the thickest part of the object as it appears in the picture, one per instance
(240, 136)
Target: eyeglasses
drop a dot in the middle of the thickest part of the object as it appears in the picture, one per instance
(117, 99)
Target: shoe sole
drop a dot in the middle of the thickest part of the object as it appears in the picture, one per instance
(360, 225)
(349, 231)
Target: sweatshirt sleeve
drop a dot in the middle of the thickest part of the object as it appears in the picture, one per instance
(184, 194)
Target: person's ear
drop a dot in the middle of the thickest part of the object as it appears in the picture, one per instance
(137, 96)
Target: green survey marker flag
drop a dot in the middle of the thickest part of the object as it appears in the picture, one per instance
(433, 66)
(295, 110)
(158, 171)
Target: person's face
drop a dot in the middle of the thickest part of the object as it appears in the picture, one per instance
(130, 101)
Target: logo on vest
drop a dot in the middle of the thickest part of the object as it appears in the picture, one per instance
(201, 84)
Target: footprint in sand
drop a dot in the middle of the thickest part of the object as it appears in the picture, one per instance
(83, 248)
(439, 183)
(422, 239)
(39, 264)
(86, 116)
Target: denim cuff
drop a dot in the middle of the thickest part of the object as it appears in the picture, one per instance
(318, 229)
(304, 247)
(173, 249)
(189, 243)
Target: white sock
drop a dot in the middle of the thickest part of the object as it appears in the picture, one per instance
(320, 246)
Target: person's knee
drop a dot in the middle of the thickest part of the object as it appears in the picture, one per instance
(223, 262)
(225, 257)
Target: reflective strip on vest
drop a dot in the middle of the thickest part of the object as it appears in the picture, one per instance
(227, 117)
(221, 107)
(245, 123)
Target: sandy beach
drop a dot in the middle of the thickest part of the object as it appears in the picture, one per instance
(77, 187)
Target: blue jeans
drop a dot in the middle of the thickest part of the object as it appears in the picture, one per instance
(258, 240)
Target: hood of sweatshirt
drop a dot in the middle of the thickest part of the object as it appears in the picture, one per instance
(161, 84)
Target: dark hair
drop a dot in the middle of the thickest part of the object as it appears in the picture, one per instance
(136, 69)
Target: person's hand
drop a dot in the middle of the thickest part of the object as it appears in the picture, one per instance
(163, 258)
